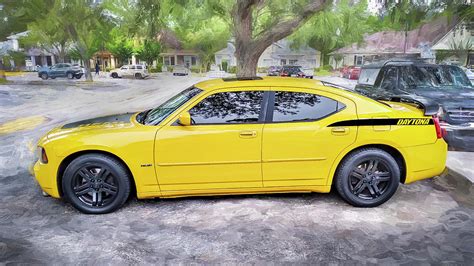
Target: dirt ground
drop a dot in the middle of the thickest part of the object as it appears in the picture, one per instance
(428, 222)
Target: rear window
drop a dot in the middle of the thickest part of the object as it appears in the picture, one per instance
(299, 106)
(368, 76)
(139, 67)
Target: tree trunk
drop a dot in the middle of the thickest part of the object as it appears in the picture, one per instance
(87, 70)
(248, 48)
(2, 72)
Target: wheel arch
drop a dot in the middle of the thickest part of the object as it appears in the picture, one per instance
(68, 159)
(397, 155)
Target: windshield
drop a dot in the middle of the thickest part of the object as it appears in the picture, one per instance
(437, 76)
(155, 116)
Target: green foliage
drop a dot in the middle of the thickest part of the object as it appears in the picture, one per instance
(6, 62)
(149, 51)
(120, 46)
(157, 69)
(232, 70)
(333, 29)
(262, 70)
(224, 65)
(17, 57)
(196, 69)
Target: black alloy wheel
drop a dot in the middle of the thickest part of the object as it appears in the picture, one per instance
(367, 177)
(96, 183)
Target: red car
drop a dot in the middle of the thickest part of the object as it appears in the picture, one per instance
(350, 72)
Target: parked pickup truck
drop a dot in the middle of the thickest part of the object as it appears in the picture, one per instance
(444, 88)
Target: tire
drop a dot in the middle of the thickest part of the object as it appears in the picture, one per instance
(363, 183)
(92, 193)
(44, 76)
(70, 75)
(138, 75)
(114, 75)
(78, 76)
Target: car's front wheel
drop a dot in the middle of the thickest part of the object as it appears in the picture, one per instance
(367, 177)
(114, 75)
(44, 76)
(96, 183)
(138, 75)
(70, 75)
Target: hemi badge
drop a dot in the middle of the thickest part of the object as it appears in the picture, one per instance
(146, 165)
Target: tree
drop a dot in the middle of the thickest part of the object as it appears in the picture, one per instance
(344, 24)
(253, 36)
(44, 33)
(149, 51)
(87, 26)
(120, 46)
(254, 24)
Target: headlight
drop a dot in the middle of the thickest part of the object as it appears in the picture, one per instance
(41, 155)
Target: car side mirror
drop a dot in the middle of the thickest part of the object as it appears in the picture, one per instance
(184, 119)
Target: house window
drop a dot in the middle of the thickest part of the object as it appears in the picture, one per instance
(311, 62)
(193, 60)
(169, 60)
(293, 61)
(358, 60)
(283, 62)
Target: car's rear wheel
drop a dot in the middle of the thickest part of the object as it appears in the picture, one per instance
(78, 76)
(138, 75)
(44, 76)
(96, 183)
(70, 75)
(367, 177)
(114, 75)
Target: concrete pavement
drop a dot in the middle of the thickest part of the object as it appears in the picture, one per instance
(427, 222)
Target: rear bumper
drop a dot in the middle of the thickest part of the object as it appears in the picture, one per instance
(425, 161)
(460, 137)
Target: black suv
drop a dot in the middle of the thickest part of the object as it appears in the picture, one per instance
(443, 88)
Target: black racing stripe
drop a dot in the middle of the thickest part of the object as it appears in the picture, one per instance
(384, 122)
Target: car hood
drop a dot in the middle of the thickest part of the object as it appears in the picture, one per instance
(110, 122)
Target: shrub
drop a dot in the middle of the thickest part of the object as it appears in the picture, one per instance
(327, 68)
(232, 70)
(169, 68)
(157, 69)
(262, 69)
(195, 69)
(225, 65)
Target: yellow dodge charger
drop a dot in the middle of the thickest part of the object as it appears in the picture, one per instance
(244, 136)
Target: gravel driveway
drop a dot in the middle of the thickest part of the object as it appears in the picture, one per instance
(431, 221)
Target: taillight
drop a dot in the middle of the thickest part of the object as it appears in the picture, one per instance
(440, 132)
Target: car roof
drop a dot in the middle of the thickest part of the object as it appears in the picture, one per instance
(400, 62)
(259, 82)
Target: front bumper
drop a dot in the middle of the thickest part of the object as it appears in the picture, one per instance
(45, 174)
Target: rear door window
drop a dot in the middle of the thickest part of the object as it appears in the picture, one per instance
(300, 106)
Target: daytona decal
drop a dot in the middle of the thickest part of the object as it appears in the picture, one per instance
(384, 122)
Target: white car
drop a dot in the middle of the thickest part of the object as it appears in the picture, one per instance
(180, 71)
(130, 71)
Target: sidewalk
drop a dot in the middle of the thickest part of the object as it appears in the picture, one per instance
(462, 163)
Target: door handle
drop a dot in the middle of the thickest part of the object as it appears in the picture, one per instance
(340, 130)
(248, 134)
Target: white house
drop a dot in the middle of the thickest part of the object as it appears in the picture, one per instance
(279, 53)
